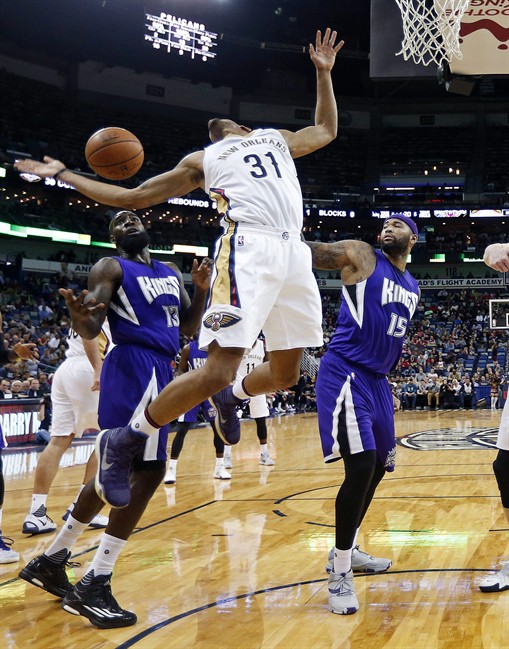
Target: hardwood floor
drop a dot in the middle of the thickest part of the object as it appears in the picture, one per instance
(240, 563)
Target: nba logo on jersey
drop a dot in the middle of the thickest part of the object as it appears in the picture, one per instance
(240, 240)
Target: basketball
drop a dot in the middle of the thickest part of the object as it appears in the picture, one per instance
(114, 153)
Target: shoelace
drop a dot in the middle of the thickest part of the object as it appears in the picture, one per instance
(6, 541)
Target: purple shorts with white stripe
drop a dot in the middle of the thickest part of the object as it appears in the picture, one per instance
(355, 411)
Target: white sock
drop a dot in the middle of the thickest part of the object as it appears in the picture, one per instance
(172, 464)
(67, 537)
(38, 500)
(219, 463)
(263, 448)
(239, 392)
(342, 561)
(355, 538)
(141, 425)
(107, 554)
(228, 451)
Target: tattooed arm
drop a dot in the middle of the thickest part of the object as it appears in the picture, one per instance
(355, 259)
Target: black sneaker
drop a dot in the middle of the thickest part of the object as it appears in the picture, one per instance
(96, 602)
(48, 575)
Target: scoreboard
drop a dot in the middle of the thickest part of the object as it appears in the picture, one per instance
(188, 37)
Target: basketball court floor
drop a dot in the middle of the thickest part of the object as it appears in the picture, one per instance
(241, 563)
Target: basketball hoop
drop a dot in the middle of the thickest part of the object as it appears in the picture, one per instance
(431, 30)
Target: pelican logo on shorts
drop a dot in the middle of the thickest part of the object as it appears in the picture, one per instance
(285, 236)
(218, 320)
(463, 437)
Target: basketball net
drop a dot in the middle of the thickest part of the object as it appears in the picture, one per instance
(431, 30)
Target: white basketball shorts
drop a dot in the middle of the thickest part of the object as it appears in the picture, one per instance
(262, 280)
(74, 404)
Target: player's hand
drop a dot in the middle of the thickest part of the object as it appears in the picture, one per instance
(323, 54)
(26, 351)
(96, 385)
(496, 256)
(200, 274)
(46, 169)
(79, 310)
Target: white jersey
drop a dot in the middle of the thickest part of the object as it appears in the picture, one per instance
(251, 359)
(75, 342)
(254, 180)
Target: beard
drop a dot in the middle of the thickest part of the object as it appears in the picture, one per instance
(396, 247)
(133, 243)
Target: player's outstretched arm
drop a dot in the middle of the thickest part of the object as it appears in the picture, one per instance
(496, 256)
(355, 259)
(311, 138)
(181, 180)
(88, 309)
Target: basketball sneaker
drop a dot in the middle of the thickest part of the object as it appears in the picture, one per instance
(115, 448)
(171, 475)
(266, 459)
(228, 462)
(94, 600)
(48, 574)
(221, 473)
(7, 554)
(342, 597)
(38, 522)
(99, 522)
(227, 422)
(498, 582)
(361, 562)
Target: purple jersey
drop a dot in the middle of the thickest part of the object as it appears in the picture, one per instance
(374, 316)
(144, 311)
(196, 358)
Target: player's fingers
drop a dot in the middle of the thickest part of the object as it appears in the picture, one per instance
(318, 39)
(339, 46)
(47, 159)
(332, 38)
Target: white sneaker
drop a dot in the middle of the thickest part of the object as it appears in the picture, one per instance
(342, 597)
(99, 522)
(498, 582)
(7, 554)
(171, 476)
(227, 461)
(221, 473)
(38, 523)
(266, 459)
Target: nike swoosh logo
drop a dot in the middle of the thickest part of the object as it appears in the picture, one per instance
(105, 465)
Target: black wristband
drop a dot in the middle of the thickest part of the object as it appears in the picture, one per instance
(55, 176)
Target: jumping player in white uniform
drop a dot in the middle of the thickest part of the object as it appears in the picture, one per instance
(75, 399)
(354, 398)
(496, 256)
(258, 408)
(262, 278)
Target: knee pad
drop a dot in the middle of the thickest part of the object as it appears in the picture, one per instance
(501, 470)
